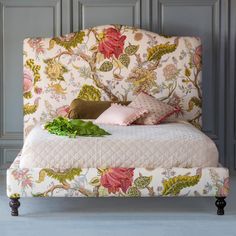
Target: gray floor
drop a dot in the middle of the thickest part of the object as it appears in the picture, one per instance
(146, 216)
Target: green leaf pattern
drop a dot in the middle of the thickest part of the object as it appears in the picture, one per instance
(133, 192)
(124, 59)
(194, 101)
(142, 181)
(173, 186)
(131, 49)
(156, 52)
(106, 66)
(89, 93)
(61, 176)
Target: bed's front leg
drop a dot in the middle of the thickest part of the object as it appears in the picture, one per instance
(14, 204)
(220, 204)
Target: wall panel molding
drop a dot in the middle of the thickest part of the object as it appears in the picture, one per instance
(231, 91)
(66, 16)
(5, 8)
(129, 11)
(233, 159)
(8, 154)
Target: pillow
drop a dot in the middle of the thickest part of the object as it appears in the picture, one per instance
(120, 115)
(158, 110)
(82, 109)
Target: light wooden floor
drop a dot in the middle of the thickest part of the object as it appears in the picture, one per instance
(156, 216)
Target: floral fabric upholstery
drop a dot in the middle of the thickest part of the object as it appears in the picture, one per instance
(110, 62)
(116, 182)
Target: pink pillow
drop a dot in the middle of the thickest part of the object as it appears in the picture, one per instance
(117, 114)
(158, 110)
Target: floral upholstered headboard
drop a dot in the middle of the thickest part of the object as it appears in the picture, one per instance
(110, 62)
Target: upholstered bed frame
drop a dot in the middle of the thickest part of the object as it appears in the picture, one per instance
(112, 62)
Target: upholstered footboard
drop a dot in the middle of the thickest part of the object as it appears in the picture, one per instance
(116, 182)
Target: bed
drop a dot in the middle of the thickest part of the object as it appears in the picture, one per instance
(114, 63)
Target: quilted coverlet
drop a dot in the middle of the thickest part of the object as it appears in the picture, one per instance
(148, 146)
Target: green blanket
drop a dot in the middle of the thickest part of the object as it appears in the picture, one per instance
(72, 128)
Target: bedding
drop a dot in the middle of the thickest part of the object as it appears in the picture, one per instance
(158, 110)
(150, 146)
(83, 109)
(117, 114)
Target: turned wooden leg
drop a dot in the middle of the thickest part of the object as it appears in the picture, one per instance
(14, 204)
(220, 204)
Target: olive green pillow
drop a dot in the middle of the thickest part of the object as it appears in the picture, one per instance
(82, 109)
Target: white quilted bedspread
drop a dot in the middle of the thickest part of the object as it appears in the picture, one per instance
(165, 145)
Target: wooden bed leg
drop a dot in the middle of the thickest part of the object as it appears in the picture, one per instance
(220, 204)
(14, 204)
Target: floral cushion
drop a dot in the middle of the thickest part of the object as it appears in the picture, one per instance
(117, 114)
(158, 111)
(110, 63)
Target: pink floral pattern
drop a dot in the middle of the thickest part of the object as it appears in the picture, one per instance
(28, 80)
(111, 42)
(23, 177)
(63, 111)
(170, 72)
(37, 45)
(197, 57)
(116, 179)
(223, 190)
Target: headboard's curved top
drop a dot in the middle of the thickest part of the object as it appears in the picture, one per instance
(110, 62)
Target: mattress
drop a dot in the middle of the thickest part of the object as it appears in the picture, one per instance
(147, 146)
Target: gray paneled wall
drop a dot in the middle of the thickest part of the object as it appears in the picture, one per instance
(231, 91)
(208, 19)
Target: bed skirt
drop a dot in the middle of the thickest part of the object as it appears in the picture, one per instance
(116, 182)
